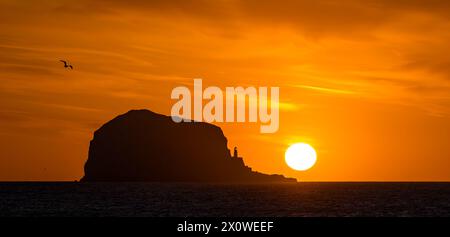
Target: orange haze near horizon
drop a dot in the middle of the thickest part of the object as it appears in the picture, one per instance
(366, 83)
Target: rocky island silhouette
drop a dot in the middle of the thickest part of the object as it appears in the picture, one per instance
(141, 145)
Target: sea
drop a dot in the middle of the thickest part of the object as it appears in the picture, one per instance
(305, 199)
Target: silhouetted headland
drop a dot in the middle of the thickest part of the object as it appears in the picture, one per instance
(145, 146)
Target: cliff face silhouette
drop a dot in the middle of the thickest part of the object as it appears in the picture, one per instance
(144, 146)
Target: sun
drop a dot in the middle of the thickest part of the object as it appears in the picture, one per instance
(300, 156)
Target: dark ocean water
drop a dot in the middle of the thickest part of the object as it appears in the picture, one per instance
(192, 200)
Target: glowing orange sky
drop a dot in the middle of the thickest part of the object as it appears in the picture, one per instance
(367, 83)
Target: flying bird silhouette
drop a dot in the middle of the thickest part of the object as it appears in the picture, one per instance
(66, 64)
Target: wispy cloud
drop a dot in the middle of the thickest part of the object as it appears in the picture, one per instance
(325, 89)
